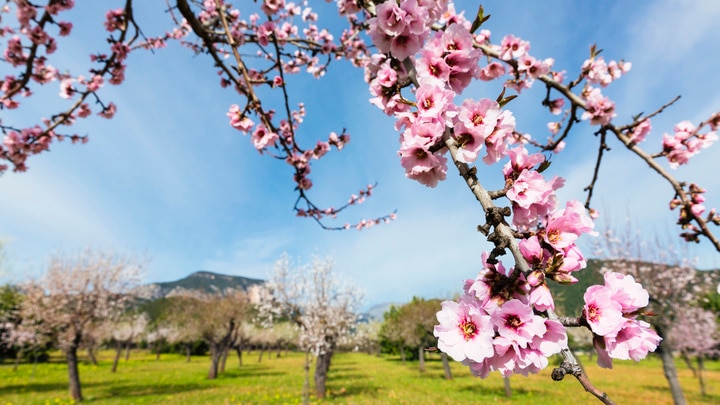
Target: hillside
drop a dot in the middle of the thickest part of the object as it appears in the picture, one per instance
(202, 281)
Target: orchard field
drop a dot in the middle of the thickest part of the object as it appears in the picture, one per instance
(354, 378)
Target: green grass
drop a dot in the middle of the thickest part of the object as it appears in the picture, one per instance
(354, 378)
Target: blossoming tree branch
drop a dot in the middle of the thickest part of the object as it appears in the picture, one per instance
(418, 59)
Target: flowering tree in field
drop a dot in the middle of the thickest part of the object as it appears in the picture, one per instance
(215, 318)
(319, 303)
(75, 295)
(696, 334)
(124, 331)
(418, 59)
(671, 290)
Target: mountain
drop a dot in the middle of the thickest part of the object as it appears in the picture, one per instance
(376, 312)
(202, 281)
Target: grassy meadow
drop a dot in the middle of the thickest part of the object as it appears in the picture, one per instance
(354, 378)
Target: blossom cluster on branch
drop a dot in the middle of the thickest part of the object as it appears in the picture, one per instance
(418, 57)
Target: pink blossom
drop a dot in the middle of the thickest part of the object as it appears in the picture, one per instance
(238, 120)
(520, 160)
(626, 291)
(262, 137)
(465, 330)
(479, 117)
(492, 71)
(602, 312)
(600, 110)
(512, 47)
(420, 164)
(640, 131)
(633, 341)
(564, 227)
(497, 142)
(516, 322)
(435, 103)
(541, 298)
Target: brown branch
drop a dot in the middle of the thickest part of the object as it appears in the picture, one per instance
(601, 149)
(575, 370)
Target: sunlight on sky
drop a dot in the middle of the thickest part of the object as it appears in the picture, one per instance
(169, 176)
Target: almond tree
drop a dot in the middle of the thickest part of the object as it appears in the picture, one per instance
(418, 58)
(216, 318)
(695, 333)
(76, 294)
(322, 305)
(124, 331)
(673, 285)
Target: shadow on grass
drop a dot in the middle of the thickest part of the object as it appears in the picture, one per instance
(248, 372)
(485, 390)
(141, 390)
(32, 387)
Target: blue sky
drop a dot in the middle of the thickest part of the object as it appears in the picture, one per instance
(168, 177)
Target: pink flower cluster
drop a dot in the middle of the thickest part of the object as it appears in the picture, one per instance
(597, 71)
(685, 142)
(496, 329)
(611, 311)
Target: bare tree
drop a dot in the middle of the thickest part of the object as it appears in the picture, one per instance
(75, 294)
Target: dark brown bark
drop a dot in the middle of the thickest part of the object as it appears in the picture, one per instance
(158, 346)
(118, 351)
(446, 366)
(127, 350)
(239, 353)
(262, 350)
(421, 359)
(73, 373)
(215, 354)
(188, 352)
(322, 366)
(223, 359)
(91, 354)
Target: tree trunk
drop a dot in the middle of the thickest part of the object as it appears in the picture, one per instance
(446, 366)
(215, 353)
(402, 353)
(666, 355)
(421, 359)
(118, 351)
(188, 352)
(701, 367)
(689, 364)
(322, 366)
(91, 354)
(157, 350)
(306, 383)
(262, 349)
(223, 360)
(508, 390)
(73, 373)
(18, 356)
(127, 350)
(239, 353)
